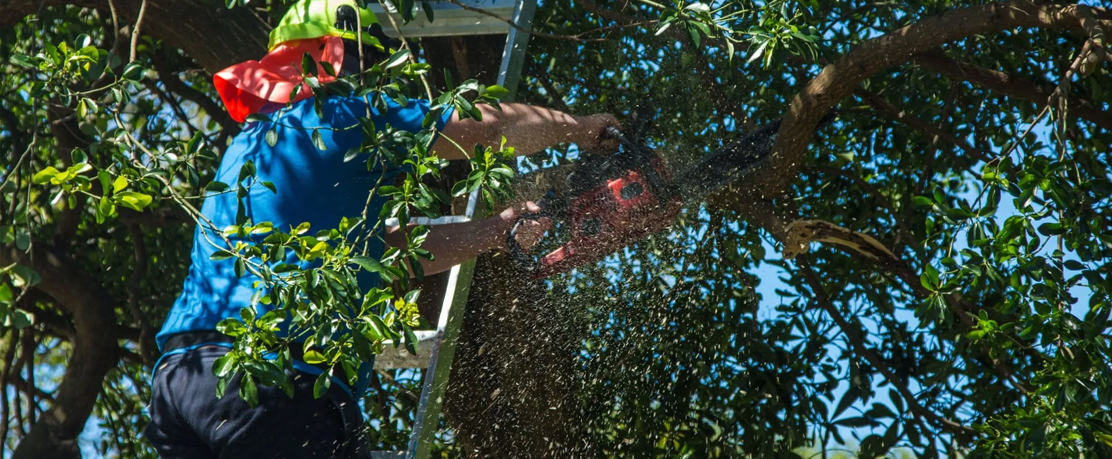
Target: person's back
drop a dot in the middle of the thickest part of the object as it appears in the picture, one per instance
(319, 186)
(312, 186)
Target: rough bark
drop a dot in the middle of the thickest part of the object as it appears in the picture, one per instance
(94, 353)
(214, 36)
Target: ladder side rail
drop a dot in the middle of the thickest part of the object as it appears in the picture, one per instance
(459, 283)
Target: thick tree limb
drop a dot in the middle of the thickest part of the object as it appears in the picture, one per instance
(1009, 85)
(55, 435)
(173, 83)
(163, 216)
(204, 30)
(839, 79)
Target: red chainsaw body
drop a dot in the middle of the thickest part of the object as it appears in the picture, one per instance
(610, 217)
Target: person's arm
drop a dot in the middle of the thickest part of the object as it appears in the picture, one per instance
(527, 128)
(455, 243)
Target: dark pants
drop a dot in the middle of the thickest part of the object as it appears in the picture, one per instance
(188, 421)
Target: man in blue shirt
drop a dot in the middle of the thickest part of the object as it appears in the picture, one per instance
(314, 185)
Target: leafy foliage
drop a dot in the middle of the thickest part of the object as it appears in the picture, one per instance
(984, 334)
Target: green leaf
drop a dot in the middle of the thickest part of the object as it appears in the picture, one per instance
(314, 357)
(119, 184)
(320, 387)
(308, 65)
(379, 327)
(105, 210)
(352, 153)
(221, 387)
(257, 118)
(272, 136)
(221, 255)
(929, 278)
(496, 91)
(847, 400)
(5, 294)
(248, 390)
(44, 175)
(216, 187)
(318, 140)
(1051, 229)
(105, 179)
(133, 71)
(284, 268)
(427, 9)
(246, 170)
(18, 319)
(410, 340)
(24, 61)
(756, 54)
(132, 200)
(23, 277)
(397, 59)
(231, 327)
(698, 7)
(368, 264)
(224, 365)
(663, 27)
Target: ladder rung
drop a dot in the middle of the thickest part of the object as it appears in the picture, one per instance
(387, 454)
(391, 358)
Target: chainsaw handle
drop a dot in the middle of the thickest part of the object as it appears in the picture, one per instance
(550, 208)
(523, 259)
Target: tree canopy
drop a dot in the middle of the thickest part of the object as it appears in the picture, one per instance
(927, 271)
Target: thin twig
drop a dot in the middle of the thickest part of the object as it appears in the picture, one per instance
(115, 27)
(405, 43)
(858, 343)
(135, 33)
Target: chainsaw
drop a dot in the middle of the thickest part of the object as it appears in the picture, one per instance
(611, 202)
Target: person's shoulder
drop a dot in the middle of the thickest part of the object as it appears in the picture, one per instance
(328, 109)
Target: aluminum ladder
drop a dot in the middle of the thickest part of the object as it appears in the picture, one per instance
(436, 348)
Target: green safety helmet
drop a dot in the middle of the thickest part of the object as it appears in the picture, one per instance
(308, 19)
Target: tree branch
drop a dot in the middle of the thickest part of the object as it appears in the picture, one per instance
(5, 373)
(889, 110)
(92, 356)
(839, 79)
(1009, 85)
(203, 31)
(173, 83)
(856, 340)
(147, 347)
(163, 216)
